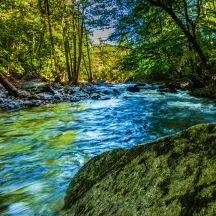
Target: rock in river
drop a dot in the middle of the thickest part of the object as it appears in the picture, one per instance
(172, 176)
(133, 89)
(95, 96)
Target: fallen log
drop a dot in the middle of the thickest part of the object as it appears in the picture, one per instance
(12, 90)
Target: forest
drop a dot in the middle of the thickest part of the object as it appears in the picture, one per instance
(153, 40)
(108, 107)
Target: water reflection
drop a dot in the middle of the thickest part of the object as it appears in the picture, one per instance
(42, 148)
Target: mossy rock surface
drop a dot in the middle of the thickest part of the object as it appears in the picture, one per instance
(174, 175)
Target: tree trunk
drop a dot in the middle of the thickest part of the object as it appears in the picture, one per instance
(9, 87)
(86, 68)
(66, 49)
(89, 59)
(184, 29)
(74, 23)
(57, 71)
(80, 36)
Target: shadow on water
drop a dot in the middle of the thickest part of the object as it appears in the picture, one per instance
(42, 148)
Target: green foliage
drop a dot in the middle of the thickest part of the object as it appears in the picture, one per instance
(167, 39)
(33, 39)
(106, 62)
(155, 40)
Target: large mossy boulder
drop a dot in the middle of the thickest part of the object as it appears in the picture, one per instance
(174, 175)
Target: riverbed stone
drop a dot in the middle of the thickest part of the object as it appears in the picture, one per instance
(45, 87)
(95, 96)
(49, 92)
(29, 103)
(29, 85)
(45, 95)
(57, 96)
(38, 87)
(172, 176)
(90, 88)
(13, 105)
(3, 95)
(73, 90)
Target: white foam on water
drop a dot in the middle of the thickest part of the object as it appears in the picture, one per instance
(184, 104)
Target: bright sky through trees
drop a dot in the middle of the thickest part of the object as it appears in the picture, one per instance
(103, 34)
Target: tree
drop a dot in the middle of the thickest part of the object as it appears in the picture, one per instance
(55, 58)
(159, 38)
(189, 28)
(43, 38)
(159, 32)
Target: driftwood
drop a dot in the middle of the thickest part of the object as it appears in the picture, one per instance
(10, 87)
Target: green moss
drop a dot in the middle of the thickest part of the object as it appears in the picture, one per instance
(173, 176)
(208, 171)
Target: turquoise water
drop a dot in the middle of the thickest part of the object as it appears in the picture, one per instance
(42, 148)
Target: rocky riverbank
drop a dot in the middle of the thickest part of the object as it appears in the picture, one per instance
(37, 94)
(41, 93)
(175, 175)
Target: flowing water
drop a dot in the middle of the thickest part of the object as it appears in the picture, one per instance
(42, 148)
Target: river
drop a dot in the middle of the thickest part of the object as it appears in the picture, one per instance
(42, 148)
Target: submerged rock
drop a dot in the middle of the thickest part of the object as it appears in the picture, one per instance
(95, 96)
(106, 92)
(174, 175)
(116, 91)
(133, 89)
